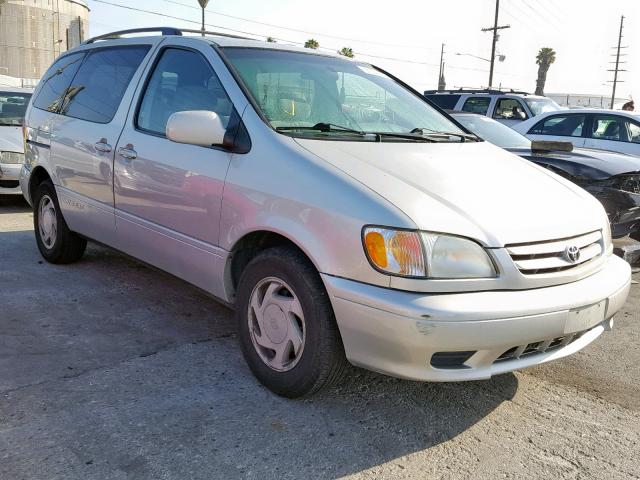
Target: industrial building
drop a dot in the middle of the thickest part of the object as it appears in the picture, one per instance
(34, 32)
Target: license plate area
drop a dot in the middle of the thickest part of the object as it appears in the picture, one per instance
(583, 318)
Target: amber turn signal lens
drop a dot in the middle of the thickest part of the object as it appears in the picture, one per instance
(375, 244)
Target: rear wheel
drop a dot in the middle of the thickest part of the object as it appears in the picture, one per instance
(288, 332)
(57, 244)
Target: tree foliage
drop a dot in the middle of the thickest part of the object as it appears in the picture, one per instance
(312, 43)
(346, 52)
(545, 58)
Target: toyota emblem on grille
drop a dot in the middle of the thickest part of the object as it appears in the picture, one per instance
(572, 253)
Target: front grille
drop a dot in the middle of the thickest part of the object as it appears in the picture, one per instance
(554, 256)
(11, 157)
(534, 348)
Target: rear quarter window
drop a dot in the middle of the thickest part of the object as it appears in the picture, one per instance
(444, 101)
(99, 85)
(479, 105)
(54, 83)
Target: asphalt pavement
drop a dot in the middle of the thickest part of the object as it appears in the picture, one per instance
(110, 369)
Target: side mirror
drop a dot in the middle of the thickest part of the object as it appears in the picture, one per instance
(196, 127)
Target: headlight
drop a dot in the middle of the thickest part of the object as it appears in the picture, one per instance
(11, 157)
(425, 255)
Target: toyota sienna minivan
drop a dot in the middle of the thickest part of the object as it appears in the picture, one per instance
(343, 216)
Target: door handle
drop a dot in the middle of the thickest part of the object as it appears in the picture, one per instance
(128, 152)
(103, 146)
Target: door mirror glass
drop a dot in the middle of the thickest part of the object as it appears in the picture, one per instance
(196, 127)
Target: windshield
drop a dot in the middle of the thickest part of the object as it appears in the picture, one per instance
(493, 132)
(298, 92)
(542, 105)
(13, 106)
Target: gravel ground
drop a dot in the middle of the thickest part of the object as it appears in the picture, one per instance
(110, 369)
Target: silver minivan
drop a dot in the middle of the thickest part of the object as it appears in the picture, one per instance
(342, 215)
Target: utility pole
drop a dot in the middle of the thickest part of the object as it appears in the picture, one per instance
(617, 63)
(494, 29)
(203, 4)
(441, 82)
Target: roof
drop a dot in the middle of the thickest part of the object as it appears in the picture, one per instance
(479, 91)
(578, 111)
(216, 38)
(223, 41)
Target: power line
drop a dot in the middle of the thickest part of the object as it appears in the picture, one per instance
(544, 18)
(293, 42)
(306, 32)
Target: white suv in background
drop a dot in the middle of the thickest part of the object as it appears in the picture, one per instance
(508, 107)
(338, 212)
(13, 105)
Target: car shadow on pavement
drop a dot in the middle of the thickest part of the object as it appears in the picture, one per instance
(13, 204)
(110, 369)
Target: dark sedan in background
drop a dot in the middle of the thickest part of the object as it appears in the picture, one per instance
(613, 178)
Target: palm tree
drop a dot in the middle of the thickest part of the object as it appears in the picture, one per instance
(546, 56)
(346, 51)
(271, 40)
(312, 43)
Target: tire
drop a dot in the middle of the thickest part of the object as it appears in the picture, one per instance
(284, 286)
(57, 244)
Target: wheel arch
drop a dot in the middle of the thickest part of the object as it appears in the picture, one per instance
(38, 175)
(247, 247)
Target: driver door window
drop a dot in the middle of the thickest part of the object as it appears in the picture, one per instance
(509, 109)
(182, 80)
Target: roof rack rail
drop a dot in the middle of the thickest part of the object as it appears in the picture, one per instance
(217, 34)
(477, 90)
(119, 34)
(162, 30)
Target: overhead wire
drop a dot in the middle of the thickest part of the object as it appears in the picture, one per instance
(288, 41)
(307, 32)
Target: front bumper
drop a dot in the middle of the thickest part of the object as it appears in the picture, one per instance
(397, 333)
(9, 176)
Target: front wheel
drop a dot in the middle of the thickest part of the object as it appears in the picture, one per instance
(57, 244)
(286, 325)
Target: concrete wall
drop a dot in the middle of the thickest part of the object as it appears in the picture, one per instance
(35, 32)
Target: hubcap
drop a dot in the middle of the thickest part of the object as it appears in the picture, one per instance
(276, 324)
(47, 223)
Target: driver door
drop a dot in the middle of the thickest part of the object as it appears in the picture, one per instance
(168, 195)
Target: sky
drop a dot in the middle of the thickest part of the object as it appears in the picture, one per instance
(405, 36)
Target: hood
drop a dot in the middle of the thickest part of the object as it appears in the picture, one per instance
(475, 190)
(599, 164)
(11, 139)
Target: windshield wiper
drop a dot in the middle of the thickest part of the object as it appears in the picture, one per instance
(332, 127)
(407, 136)
(323, 127)
(462, 136)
